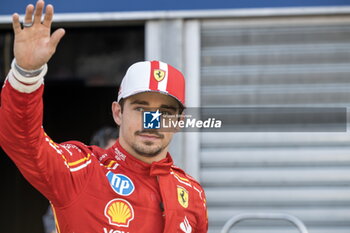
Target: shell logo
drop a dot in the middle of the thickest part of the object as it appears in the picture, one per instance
(119, 212)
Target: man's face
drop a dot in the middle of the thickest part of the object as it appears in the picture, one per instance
(139, 141)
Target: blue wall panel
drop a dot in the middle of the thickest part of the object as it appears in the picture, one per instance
(71, 6)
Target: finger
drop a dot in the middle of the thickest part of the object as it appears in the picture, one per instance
(48, 16)
(15, 23)
(38, 11)
(29, 14)
(56, 37)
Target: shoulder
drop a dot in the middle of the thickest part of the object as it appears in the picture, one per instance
(77, 155)
(193, 188)
(76, 146)
(182, 176)
(76, 152)
(82, 148)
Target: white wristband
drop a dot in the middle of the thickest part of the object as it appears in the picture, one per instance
(22, 87)
(23, 80)
(28, 76)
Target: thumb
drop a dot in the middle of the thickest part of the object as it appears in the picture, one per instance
(56, 37)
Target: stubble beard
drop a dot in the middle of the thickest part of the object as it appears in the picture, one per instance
(146, 149)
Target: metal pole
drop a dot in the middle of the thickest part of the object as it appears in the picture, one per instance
(264, 216)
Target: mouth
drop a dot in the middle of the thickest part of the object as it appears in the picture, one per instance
(149, 136)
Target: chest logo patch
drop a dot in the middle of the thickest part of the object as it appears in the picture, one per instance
(119, 212)
(182, 196)
(120, 183)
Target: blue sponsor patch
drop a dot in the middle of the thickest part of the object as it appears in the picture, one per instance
(120, 183)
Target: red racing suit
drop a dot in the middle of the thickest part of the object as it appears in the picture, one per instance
(93, 190)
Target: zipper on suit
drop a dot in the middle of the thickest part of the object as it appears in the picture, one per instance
(161, 204)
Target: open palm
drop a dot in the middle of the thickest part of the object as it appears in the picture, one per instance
(34, 45)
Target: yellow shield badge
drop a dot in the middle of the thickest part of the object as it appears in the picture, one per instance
(182, 196)
(158, 74)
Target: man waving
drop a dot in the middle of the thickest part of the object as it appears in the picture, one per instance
(132, 186)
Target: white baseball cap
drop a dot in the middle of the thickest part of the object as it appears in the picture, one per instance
(153, 76)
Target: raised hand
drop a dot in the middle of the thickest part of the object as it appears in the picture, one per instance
(34, 45)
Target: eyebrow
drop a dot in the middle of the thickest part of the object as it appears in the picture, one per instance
(168, 107)
(142, 102)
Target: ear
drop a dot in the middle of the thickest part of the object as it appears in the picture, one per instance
(117, 112)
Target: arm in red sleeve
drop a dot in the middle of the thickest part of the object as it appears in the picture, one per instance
(58, 171)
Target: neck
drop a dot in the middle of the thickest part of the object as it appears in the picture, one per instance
(143, 158)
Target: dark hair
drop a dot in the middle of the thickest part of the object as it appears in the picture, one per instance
(121, 103)
(103, 135)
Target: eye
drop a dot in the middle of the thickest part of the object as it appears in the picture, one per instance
(167, 113)
(139, 109)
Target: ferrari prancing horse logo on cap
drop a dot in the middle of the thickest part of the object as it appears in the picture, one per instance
(158, 74)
